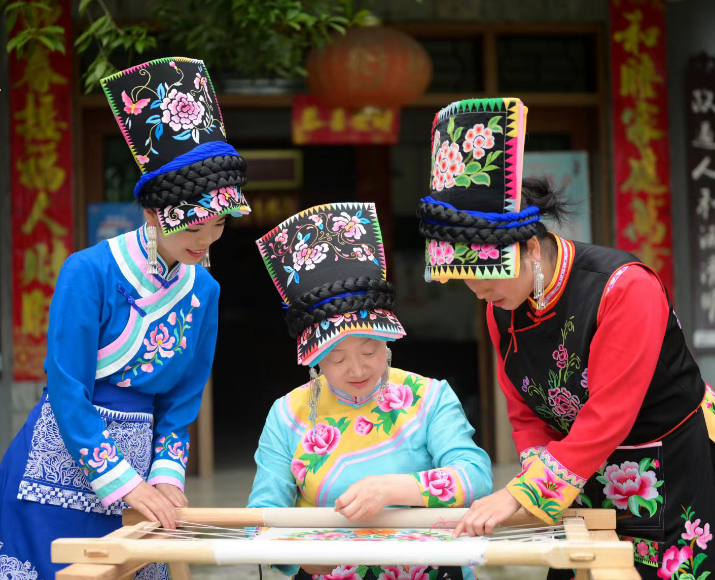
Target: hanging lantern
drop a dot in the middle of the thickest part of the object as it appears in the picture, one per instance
(370, 66)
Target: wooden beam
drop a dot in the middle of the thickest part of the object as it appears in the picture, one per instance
(429, 100)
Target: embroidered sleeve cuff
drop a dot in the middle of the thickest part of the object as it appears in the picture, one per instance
(530, 452)
(544, 491)
(443, 487)
(167, 471)
(116, 483)
(709, 410)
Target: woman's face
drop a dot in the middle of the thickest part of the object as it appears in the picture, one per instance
(355, 365)
(511, 293)
(187, 246)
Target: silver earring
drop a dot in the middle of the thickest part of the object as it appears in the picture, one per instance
(151, 262)
(385, 380)
(538, 286)
(205, 260)
(314, 395)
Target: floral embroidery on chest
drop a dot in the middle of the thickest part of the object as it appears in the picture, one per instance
(320, 443)
(163, 341)
(557, 403)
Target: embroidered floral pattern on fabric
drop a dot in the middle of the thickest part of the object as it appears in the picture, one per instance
(319, 443)
(160, 344)
(186, 114)
(684, 562)
(52, 476)
(330, 235)
(559, 404)
(450, 168)
(172, 446)
(644, 551)
(13, 569)
(631, 486)
(555, 465)
(439, 485)
(544, 492)
(397, 399)
(96, 462)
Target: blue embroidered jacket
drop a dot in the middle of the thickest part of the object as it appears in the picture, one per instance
(121, 341)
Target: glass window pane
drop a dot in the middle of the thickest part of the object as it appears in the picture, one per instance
(457, 65)
(551, 64)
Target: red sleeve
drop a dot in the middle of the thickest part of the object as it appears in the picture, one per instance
(622, 359)
(530, 433)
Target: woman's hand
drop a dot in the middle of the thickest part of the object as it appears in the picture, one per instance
(152, 505)
(318, 570)
(173, 494)
(487, 513)
(365, 498)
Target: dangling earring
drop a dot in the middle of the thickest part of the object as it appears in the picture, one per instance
(538, 286)
(151, 262)
(314, 395)
(385, 380)
(205, 260)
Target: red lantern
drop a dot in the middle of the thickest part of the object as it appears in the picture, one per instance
(372, 66)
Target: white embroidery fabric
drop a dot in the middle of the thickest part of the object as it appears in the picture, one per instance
(51, 470)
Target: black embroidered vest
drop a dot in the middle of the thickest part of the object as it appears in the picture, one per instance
(549, 364)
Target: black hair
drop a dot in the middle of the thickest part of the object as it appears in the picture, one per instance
(193, 180)
(538, 191)
(328, 300)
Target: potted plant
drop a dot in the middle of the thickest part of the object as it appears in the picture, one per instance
(255, 46)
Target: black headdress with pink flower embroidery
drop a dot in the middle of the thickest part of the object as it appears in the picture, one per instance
(328, 265)
(472, 219)
(168, 113)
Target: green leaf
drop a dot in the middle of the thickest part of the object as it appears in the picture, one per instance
(482, 179)
(361, 571)
(686, 576)
(433, 573)
(608, 504)
(649, 504)
(704, 575)
(584, 500)
(634, 506)
(450, 127)
(376, 570)
(473, 167)
(643, 464)
(602, 479)
(658, 483)
(314, 467)
(497, 129)
(461, 250)
(158, 361)
(696, 563)
(83, 6)
(490, 168)
(494, 122)
(332, 422)
(458, 133)
(462, 181)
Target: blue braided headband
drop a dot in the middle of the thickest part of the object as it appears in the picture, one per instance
(526, 216)
(199, 153)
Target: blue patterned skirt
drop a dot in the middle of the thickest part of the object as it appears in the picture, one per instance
(44, 494)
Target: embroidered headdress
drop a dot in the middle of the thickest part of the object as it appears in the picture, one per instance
(328, 265)
(472, 219)
(168, 113)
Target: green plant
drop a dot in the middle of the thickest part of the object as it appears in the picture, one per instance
(37, 29)
(255, 38)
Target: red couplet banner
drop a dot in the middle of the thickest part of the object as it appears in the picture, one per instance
(41, 189)
(640, 133)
